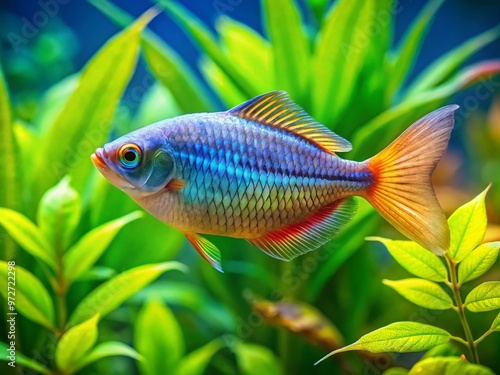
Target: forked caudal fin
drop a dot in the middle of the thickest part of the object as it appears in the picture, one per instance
(402, 192)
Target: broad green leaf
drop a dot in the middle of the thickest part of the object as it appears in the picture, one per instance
(478, 261)
(400, 337)
(423, 293)
(415, 259)
(285, 31)
(395, 371)
(98, 273)
(74, 345)
(26, 140)
(448, 366)
(156, 105)
(111, 294)
(484, 297)
(22, 360)
(31, 298)
(221, 83)
(58, 214)
(85, 121)
(339, 55)
(467, 227)
(158, 338)
(256, 359)
(495, 326)
(237, 39)
(447, 64)
(450, 349)
(27, 235)
(82, 256)
(206, 40)
(196, 362)
(409, 48)
(108, 349)
(9, 193)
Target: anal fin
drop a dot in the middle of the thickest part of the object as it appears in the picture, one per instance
(313, 232)
(206, 249)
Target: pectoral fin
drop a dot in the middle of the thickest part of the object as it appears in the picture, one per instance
(206, 249)
(292, 241)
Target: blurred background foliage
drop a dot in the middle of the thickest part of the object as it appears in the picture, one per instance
(72, 79)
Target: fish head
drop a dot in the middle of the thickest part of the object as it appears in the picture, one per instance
(139, 163)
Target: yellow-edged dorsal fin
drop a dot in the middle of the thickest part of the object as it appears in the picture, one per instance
(276, 109)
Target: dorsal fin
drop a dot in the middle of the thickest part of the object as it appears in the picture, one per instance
(278, 110)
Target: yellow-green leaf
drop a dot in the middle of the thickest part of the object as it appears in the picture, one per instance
(82, 256)
(284, 28)
(400, 337)
(415, 259)
(196, 361)
(423, 293)
(85, 120)
(495, 326)
(58, 214)
(467, 227)
(237, 39)
(22, 360)
(30, 296)
(256, 359)
(74, 345)
(158, 338)
(27, 235)
(108, 349)
(448, 366)
(9, 194)
(478, 261)
(111, 294)
(484, 297)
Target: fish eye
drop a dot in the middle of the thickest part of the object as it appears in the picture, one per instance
(130, 155)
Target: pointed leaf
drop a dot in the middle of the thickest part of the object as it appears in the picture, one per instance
(484, 297)
(478, 261)
(27, 235)
(9, 196)
(84, 122)
(196, 361)
(31, 298)
(206, 40)
(59, 213)
(108, 349)
(410, 46)
(237, 39)
(74, 345)
(339, 56)
(158, 338)
(415, 259)
(108, 296)
(495, 326)
(445, 66)
(285, 31)
(422, 293)
(256, 359)
(400, 337)
(467, 227)
(448, 366)
(22, 360)
(83, 255)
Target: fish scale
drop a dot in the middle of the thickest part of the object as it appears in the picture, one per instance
(231, 148)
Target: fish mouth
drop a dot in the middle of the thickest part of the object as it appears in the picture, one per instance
(98, 159)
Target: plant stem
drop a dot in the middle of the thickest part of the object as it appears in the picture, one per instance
(455, 287)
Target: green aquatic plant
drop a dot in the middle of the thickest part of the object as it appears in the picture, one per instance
(466, 260)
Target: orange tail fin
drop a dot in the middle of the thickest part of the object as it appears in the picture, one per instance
(402, 192)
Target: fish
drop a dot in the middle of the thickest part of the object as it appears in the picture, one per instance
(267, 172)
